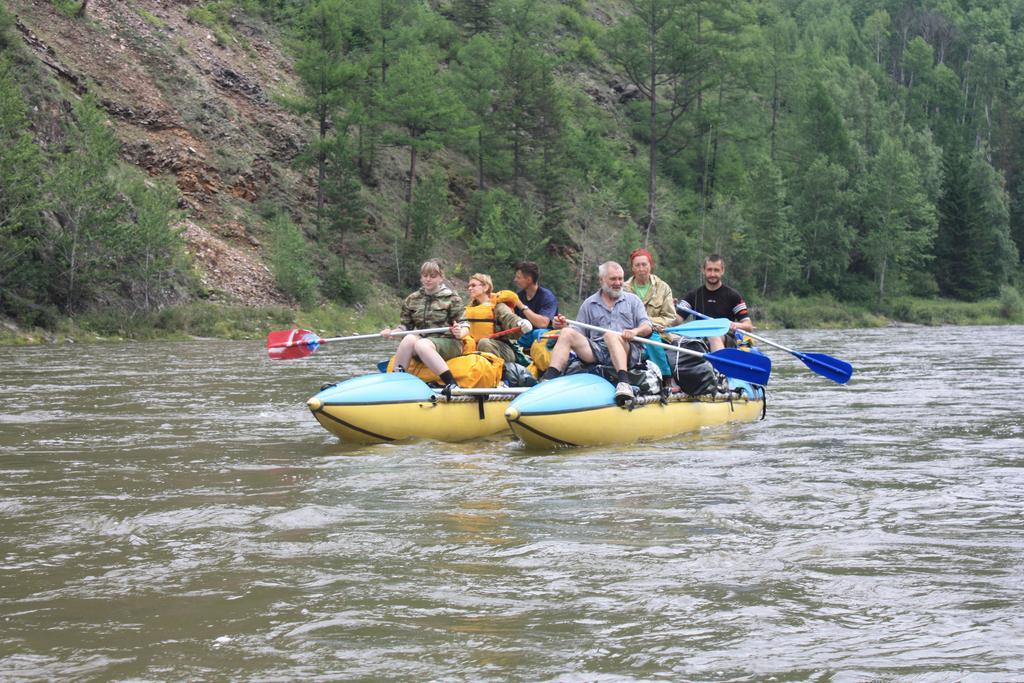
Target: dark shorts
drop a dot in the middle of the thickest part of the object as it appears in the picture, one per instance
(600, 351)
(447, 347)
(498, 348)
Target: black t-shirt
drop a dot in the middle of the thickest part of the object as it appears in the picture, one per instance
(724, 302)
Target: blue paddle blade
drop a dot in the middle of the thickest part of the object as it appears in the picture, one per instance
(749, 367)
(838, 371)
(712, 327)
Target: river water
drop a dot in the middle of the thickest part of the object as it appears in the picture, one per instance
(172, 511)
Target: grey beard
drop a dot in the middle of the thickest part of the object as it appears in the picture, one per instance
(611, 293)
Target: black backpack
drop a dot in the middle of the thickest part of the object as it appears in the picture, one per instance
(515, 375)
(693, 374)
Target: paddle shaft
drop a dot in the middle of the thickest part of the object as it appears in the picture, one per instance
(838, 371)
(394, 333)
(753, 368)
(428, 331)
(502, 333)
(432, 330)
(642, 340)
(758, 337)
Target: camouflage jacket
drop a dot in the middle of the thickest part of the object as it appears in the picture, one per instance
(440, 309)
(658, 301)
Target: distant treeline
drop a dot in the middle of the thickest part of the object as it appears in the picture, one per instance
(858, 150)
(855, 149)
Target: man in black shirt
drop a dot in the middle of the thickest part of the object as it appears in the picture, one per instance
(716, 300)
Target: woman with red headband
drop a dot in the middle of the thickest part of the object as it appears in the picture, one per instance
(657, 298)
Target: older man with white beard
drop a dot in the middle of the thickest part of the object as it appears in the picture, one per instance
(613, 309)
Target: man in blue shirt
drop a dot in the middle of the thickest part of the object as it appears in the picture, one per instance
(537, 304)
(613, 309)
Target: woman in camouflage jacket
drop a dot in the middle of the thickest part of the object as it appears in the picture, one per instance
(434, 304)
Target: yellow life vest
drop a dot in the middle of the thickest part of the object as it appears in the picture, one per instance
(481, 317)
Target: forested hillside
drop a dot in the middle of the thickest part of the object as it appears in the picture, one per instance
(862, 150)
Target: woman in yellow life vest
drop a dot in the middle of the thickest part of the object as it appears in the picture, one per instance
(490, 315)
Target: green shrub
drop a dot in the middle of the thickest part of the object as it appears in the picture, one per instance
(571, 19)
(8, 34)
(342, 285)
(210, 17)
(202, 319)
(29, 313)
(291, 262)
(810, 312)
(151, 18)
(68, 7)
(206, 319)
(201, 15)
(1011, 304)
(949, 311)
(586, 51)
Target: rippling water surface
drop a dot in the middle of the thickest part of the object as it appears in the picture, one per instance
(172, 511)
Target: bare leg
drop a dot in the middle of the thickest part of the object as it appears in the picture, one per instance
(570, 340)
(405, 349)
(618, 349)
(716, 343)
(427, 352)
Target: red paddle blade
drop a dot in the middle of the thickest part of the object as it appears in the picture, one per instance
(290, 344)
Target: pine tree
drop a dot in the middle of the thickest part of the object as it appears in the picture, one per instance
(153, 261)
(21, 170)
(477, 79)
(820, 198)
(771, 248)
(290, 261)
(329, 77)
(652, 47)
(432, 222)
(822, 125)
(518, 104)
(510, 230)
(347, 209)
(974, 254)
(957, 258)
(899, 221)
(548, 165)
(420, 104)
(84, 238)
(473, 16)
(990, 226)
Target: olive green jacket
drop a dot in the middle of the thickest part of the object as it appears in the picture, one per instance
(506, 319)
(658, 302)
(440, 309)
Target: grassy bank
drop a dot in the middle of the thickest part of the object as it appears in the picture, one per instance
(826, 312)
(206, 320)
(238, 322)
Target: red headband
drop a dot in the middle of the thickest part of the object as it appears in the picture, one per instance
(641, 252)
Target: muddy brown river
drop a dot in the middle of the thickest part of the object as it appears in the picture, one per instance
(172, 511)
